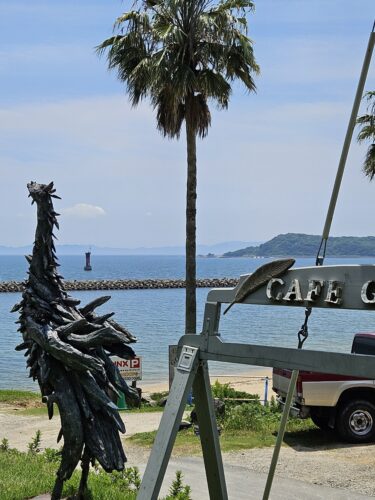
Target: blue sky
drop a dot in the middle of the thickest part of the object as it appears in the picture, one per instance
(266, 167)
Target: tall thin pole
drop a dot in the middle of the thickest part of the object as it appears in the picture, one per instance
(280, 434)
(349, 135)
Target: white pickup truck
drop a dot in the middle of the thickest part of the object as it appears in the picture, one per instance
(344, 404)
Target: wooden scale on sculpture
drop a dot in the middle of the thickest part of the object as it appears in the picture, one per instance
(339, 287)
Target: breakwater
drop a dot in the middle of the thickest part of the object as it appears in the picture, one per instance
(17, 286)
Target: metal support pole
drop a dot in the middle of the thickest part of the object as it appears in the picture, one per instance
(349, 135)
(161, 451)
(208, 433)
(280, 435)
(266, 391)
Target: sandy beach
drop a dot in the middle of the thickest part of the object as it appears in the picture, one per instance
(252, 382)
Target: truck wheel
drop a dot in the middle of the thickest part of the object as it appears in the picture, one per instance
(356, 421)
(320, 421)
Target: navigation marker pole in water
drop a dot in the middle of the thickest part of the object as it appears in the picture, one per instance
(88, 262)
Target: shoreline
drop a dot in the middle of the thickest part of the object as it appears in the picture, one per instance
(252, 381)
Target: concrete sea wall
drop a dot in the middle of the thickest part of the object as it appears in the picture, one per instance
(17, 286)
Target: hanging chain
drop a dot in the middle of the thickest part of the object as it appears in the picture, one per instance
(304, 331)
(319, 261)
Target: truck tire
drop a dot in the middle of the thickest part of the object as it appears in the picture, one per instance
(356, 421)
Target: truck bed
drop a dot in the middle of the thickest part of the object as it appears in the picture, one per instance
(315, 388)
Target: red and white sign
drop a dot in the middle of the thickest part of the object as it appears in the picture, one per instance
(130, 369)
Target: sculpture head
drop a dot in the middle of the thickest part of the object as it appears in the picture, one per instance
(41, 192)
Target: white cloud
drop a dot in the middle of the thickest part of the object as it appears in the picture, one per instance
(84, 211)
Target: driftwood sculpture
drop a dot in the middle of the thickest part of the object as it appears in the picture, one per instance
(67, 350)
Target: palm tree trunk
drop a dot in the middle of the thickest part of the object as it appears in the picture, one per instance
(191, 198)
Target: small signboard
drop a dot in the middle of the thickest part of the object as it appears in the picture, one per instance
(130, 369)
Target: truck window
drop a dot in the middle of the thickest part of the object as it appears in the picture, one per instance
(364, 344)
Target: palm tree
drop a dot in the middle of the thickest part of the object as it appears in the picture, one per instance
(182, 54)
(367, 133)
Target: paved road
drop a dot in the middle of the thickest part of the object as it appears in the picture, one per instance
(244, 484)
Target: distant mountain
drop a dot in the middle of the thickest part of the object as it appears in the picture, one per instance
(217, 249)
(306, 245)
(15, 250)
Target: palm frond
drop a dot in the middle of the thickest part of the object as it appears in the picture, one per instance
(181, 54)
(369, 163)
(199, 113)
(214, 86)
(100, 49)
(237, 5)
(135, 19)
(367, 133)
(169, 114)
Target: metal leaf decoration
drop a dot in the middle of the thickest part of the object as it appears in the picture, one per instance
(259, 278)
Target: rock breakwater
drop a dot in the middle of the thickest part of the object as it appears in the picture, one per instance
(17, 286)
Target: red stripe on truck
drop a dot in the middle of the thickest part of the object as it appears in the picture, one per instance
(314, 376)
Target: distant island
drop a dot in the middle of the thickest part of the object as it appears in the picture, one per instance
(205, 250)
(306, 245)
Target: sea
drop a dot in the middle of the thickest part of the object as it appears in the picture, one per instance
(156, 317)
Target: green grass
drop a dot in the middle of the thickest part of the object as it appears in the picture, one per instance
(143, 409)
(302, 432)
(21, 398)
(35, 412)
(244, 426)
(187, 443)
(42, 410)
(23, 475)
(27, 403)
(157, 396)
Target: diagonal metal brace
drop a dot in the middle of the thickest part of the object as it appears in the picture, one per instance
(161, 451)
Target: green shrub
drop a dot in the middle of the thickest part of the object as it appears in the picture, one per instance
(223, 391)
(4, 446)
(157, 396)
(128, 480)
(178, 490)
(251, 417)
(52, 455)
(255, 417)
(34, 445)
